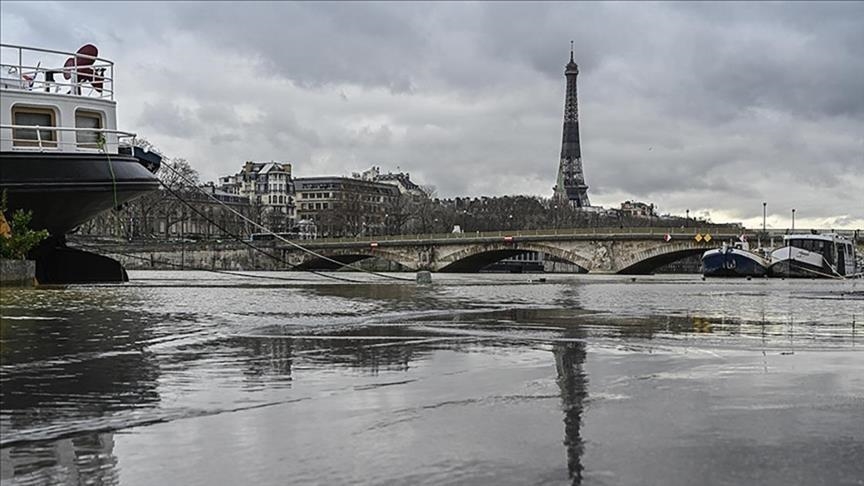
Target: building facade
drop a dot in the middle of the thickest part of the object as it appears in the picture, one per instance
(343, 206)
(217, 214)
(638, 209)
(269, 187)
(402, 180)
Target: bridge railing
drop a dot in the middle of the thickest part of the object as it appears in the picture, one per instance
(655, 231)
(537, 232)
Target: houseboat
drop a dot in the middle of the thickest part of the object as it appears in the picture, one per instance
(826, 255)
(61, 154)
(735, 260)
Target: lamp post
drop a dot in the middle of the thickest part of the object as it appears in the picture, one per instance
(790, 242)
(764, 204)
(688, 218)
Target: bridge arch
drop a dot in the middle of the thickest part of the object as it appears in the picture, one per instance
(647, 261)
(347, 256)
(474, 257)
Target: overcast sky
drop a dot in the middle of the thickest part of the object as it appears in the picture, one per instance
(708, 107)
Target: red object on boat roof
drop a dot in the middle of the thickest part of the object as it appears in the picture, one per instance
(87, 54)
(84, 57)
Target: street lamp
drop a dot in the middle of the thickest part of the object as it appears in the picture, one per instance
(764, 233)
(688, 217)
(790, 241)
(764, 204)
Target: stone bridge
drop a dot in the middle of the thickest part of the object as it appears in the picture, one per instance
(596, 250)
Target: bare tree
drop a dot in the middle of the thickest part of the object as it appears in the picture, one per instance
(398, 212)
(179, 181)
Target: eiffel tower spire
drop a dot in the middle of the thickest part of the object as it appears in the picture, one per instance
(571, 180)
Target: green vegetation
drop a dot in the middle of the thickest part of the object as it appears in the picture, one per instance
(17, 238)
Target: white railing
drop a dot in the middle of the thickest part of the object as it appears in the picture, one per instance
(101, 139)
(35, 69)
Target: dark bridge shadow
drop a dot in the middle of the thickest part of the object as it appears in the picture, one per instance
(322, 264)
(475, 263)
(381, 262)
(649, 265)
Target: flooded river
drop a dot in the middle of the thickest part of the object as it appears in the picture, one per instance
(193, 378)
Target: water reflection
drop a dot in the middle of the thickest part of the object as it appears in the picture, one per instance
(79, 361)
(569, 359)
(268, 358)
(83, 459)
(78, 365)
(369, 349)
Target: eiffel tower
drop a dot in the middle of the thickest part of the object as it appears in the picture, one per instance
(571, 185)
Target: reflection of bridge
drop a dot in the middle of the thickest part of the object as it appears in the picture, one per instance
(597, 250)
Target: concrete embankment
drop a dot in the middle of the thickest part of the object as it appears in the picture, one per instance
(17, 273)
(179, 255)
(206, 255)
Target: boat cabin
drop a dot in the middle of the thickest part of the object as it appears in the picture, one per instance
(837, 251)
(58, 101)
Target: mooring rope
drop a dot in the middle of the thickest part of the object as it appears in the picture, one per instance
(244, 242)
(101, 143)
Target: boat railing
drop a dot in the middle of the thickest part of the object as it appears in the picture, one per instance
(47, 139)
(50, 71)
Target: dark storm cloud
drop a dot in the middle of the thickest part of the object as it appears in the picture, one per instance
(315, 43)
(717, 106)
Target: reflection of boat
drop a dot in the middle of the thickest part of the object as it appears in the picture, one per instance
(734, 260)
(61, 154)
(826, 255)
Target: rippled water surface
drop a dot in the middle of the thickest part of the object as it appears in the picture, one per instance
(195, 378)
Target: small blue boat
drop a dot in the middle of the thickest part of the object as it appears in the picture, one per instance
(734, 261)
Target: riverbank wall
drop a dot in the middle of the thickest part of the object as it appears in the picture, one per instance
(204, 255)
(17, 273)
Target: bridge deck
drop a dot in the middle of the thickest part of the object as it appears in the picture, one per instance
(584, 234)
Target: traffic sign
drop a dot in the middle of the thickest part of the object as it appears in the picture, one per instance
(707, 238)
(698, 237)
(668, 237)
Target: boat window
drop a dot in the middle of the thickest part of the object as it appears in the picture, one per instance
(43, 117)
(87, 119)
(817, 246)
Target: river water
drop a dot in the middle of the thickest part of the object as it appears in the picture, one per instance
(195, 378)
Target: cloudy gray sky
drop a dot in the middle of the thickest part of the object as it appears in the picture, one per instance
(708, 107)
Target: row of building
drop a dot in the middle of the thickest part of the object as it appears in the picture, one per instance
(329, 206)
